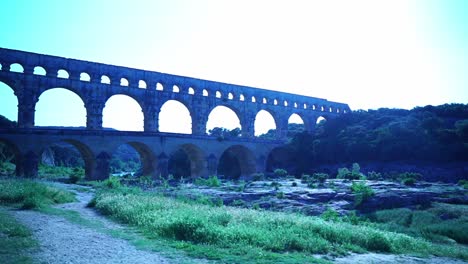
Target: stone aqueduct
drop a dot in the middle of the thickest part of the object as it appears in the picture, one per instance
(30, 74)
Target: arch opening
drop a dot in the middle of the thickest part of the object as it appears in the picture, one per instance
(123, 82)
(321, 120)
(122, 112)
(223, 118)
(175, 117)
(9, 105)
(85, 77)
(191, 91)
(141, 84)
(38, 70)
(68, 159)
(175, 89)
(16, 67)
(159, 87)
(53, 110)
(105, 79)
(218, 94)
(205, 92)
(187, 162)
(9, 157)
(295, 125)
(236, 162)
(264, 122)
(241, 97)
(132, 159)
(280, 158)
(63, 74)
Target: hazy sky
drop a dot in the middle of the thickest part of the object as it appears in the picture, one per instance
(369, 54)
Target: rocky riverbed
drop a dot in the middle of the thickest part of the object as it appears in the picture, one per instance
(292, 195)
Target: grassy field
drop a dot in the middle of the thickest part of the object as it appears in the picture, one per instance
(245, 235)
(16, 239)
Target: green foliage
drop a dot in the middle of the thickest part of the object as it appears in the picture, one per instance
(330, 215)
(280, 172)
(463, 183)
(376, 176)
(294, 184)
(353, 174)
(409, 178)
(16, 240)
(76, 175)
(112, 182)
(201, 228)
(280, 195)
(442, 223)
(361, 192)
(320, 177)
(258, 176)
(222, 133)
(30, 194)
(212, 181)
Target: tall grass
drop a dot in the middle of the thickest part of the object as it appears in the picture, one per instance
(228, 228)
(15, 240)
(29, 194)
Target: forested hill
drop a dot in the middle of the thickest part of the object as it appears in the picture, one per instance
(430, 133)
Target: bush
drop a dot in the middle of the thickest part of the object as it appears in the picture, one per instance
(345, 173)
(258, 176)
(408, 181)
(409, 178)
(376, 176)
(212, 181)
(280, 172)
(361, 192)
(112, 182)
(320, 177)
(76, 175)
(463, 183)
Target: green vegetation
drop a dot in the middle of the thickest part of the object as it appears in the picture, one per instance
(463, 183)
(353, 174)
(28, 194)
(280, 172)
(361, 192)
(442, 223)
(212, 181)
(246, 235)
(15, 240)
(430, 133)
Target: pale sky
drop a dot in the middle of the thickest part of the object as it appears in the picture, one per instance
(369, 54)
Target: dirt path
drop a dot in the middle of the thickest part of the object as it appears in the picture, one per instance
(64, 242)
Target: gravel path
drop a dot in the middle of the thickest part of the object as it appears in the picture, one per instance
(65, 242)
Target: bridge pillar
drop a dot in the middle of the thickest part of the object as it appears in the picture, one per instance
(310, 122)
(151, 117)
(282, 127)
(163, 165)
(94, 110)
(30, 164)
(248, 124)
(212, 165)
(102, 169)
(27, 100)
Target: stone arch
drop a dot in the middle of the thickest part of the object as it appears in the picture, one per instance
(175, 89)
(142, 84)
(147, 158)
(264, 121)
(16, 67)
(39, 70)
(183, 115)
(297, 122)
(218, 94)
(159, 87)
(321, 119)
(9, 101)
(279, 158)
(128, 118)
(63, 74)
(53, 98)
(236, 162)
(223, 115)
(85, 77)
(105, 79)
(205, 92)
(191, 91)
(196, 158)
(241, 97)
(124, 82)
(9, 148)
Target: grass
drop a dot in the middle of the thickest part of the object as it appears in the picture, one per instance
(442, 223)
(252, 236)
(15, 240)
(29, 194)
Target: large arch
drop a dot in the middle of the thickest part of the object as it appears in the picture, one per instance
(296, 124)
(144, 166)
(10, 154)
(224, 117)
(236, 162)
(175, 117)
(279, 158)
(264, 121)
(122, 112)
(83, 150)
(60, 107)
(9, 105)
(196, 158)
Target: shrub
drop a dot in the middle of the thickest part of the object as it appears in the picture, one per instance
(294, 184)
(409, 178)
(463, 183)
(408, 181)
(280, 172)
(112, 182)
(212, 181)
(372, 175)
(320, 177)
(345, 173)
(361, 192)
(76, 175)
(330, 215)
(258, 176)
(280, 195)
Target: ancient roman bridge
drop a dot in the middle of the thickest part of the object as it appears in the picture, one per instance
(30, 74)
